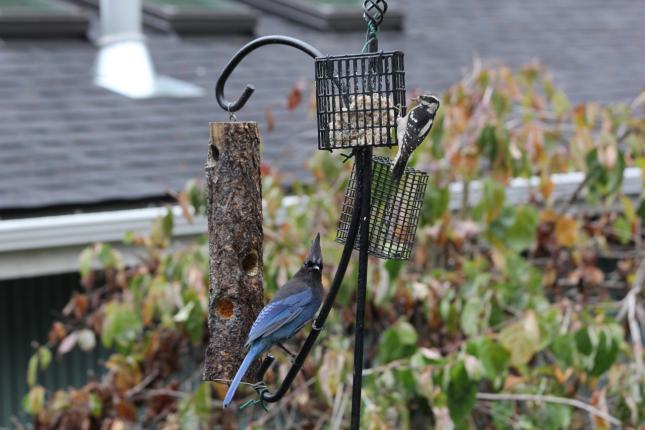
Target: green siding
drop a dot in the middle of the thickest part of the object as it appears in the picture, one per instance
(27, 309)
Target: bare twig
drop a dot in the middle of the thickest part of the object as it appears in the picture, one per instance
(400, 364)
(574, 196)
(158, 392)
(550, 399)
(143, 384)
(628, 309)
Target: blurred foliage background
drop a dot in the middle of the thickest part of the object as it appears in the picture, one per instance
(510, 315)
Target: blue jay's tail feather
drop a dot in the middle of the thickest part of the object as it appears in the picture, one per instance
(255, 350)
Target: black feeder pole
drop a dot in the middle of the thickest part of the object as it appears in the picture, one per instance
(358, 100)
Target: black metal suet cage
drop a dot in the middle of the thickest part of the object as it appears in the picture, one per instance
(395, 210)
(359, 99)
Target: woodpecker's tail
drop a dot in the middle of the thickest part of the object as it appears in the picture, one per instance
(255, 350)
(399, 167)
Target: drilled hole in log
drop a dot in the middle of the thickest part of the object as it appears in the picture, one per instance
(224, 308)
(214, 153)
(250, 263)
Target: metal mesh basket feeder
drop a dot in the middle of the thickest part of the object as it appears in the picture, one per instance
(395, 210)
(359, 98)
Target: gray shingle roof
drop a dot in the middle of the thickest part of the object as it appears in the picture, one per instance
(64, 141)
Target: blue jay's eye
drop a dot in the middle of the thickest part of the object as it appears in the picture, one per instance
(312, 265)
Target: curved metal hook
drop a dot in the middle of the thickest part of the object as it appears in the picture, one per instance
(231, 107)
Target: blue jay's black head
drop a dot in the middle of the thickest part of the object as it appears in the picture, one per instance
(429, 102)
(314, 261)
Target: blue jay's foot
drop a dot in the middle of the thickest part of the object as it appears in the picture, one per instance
(255, 402)
(260, 387)
(284, 348)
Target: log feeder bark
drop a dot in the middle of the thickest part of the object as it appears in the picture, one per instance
(235, 244)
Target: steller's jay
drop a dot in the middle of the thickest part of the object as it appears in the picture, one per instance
(293, 305)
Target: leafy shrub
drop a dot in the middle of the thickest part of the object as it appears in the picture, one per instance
(505, 317)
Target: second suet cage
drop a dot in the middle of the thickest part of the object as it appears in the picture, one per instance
(395, 210)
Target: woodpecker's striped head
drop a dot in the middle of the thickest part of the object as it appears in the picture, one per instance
(429, 102)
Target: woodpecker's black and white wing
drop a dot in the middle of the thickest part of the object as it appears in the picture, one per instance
(412, 129)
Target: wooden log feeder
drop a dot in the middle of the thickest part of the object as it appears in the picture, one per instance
(235, 244)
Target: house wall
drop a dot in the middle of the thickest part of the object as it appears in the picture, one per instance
(28, 307)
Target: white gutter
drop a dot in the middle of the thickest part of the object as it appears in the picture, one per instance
(48, 245)
(519, 190)
(81, 229)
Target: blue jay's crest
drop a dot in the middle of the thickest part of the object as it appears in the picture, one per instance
(314, 256)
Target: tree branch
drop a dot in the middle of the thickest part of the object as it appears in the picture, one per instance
(550, 399)
(628, 308)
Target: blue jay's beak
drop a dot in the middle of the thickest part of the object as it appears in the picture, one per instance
(314, 256)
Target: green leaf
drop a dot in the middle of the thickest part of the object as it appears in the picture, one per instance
(623, 229)
(606, 353)
(521, 234)
(584, 344)
(44, 357)
(426, 356)
(561, 103)
(34, 400)
(487, 142)
(628, 208)
(522, 339)
(196, 196)
(493, 357)
(603, 182)
(196, 321)
(563, 349)
(641, 210)
(393, 268)
(202, 400)
(32, 370)
(167, 223)
(406, 332)
(121, 326)
(129, 237)
(501, 103)
(471, 316)
(85, 261)
(492, 201)
(554, 417)
(503, 414)
(461, 393)
(397, 342)
(95, 405)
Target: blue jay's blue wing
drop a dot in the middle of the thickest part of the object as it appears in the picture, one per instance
(278, 313)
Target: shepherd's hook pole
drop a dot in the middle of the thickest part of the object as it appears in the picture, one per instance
(374, 10)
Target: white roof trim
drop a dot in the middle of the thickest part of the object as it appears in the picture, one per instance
(48, 245)
(81, 229)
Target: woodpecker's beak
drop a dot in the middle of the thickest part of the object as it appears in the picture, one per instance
(315, 254)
